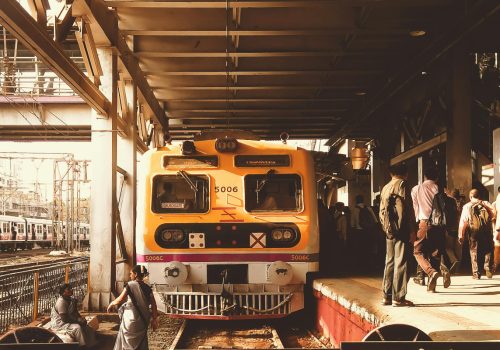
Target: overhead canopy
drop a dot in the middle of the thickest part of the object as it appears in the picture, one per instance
(305, 67)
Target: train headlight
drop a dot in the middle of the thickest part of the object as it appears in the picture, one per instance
(283, 235)
(172, 235)
(175, 273)
(226, 145)
(287, 235)
(277, 235)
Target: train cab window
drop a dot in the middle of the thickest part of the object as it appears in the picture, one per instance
(181, 193)
(273, 192)
(20, 229)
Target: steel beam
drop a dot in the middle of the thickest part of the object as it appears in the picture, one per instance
(274, 4)
(21, 25)
(104, 25)
(254, 54)
(274, 32)
(266, 73)
(475, 16)
(262, 100)
(256, 88)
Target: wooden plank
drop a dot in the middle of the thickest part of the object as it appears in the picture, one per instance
(425, 146)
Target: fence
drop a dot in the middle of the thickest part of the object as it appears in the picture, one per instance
(26, 295)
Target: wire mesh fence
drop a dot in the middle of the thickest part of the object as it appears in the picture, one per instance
(26, 295)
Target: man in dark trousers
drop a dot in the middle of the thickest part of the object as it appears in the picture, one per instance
(398, 222)
(422, 196)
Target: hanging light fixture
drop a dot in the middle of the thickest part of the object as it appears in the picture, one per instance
(360, 156)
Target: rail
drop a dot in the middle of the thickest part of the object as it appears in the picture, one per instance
(26, 295)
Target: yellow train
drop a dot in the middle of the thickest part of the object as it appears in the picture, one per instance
(228, 226)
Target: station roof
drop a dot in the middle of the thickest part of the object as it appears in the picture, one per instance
(306, 67)
(317, 69)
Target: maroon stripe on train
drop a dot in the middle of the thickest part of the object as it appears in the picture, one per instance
(227, 257)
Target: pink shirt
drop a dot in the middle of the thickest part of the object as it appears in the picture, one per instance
(422, 196)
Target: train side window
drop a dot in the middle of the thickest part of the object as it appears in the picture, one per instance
(176, 194)
(273, 192)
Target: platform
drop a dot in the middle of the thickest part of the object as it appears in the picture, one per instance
(469, 310)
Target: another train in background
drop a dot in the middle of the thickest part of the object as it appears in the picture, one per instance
(24, 232)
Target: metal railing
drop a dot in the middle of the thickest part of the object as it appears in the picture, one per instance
(26, 295)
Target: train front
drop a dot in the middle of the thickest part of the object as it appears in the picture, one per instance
(227, 228)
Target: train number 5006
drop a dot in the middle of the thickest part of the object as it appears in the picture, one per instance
(224, 189)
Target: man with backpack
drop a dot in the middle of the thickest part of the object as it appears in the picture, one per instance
(476, 225)
(398, 222)
(430, 240)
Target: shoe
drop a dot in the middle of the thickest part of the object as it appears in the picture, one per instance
(431, 287)
(476, 277)
(386, 301)
(419, 280)
(454, 267)
(446, 279)
(489, 274)
(402, 302)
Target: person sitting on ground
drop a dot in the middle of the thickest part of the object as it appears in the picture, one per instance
(65, 318)
(136, 313)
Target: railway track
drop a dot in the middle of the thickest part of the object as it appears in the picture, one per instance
(9, 269)
(248, 334)
(24, 253)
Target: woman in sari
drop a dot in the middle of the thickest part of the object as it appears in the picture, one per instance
(135, 313)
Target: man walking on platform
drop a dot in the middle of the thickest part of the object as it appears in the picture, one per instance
(425, 243)
(398, 223)
(476, 223)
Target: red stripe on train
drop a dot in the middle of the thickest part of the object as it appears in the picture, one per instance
(227, 257)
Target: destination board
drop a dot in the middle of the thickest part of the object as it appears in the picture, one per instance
(254, 161)
(190, 161)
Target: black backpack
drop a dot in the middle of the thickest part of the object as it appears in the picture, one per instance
(444, 212)
(392, 210)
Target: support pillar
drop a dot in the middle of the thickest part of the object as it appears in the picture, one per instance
(458, 144)
(127, 206)
(102, 274)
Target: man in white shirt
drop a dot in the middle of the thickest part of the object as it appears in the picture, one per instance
(478, 232)
(422, 196)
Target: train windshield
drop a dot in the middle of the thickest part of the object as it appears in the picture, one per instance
(273, 192)
(181, 193)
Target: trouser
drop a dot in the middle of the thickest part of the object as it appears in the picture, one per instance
(453, 248)
(479, 246)
(396, 269)
(429, 248)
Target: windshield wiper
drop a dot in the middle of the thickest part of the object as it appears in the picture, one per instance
(266, 180)
(185, 176)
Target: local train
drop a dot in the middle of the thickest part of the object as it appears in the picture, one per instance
(24, 232)
(227, 226)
